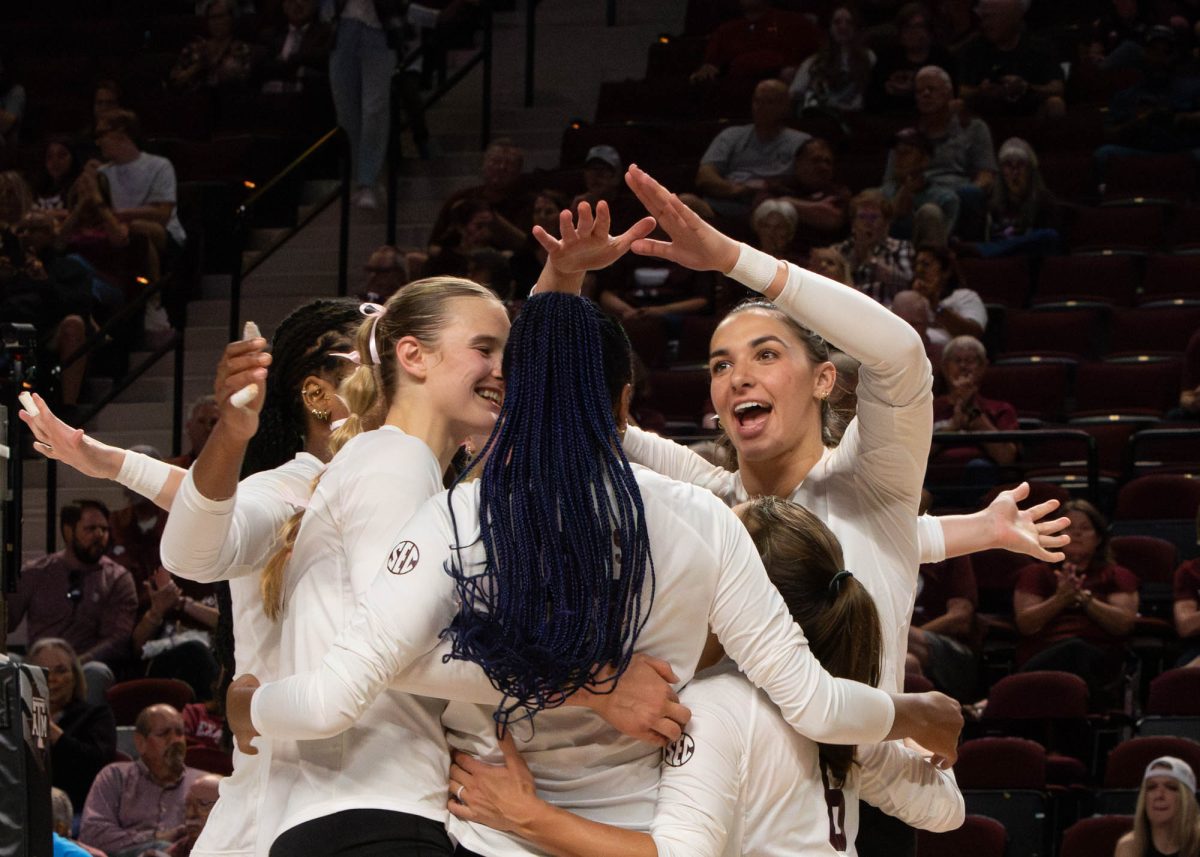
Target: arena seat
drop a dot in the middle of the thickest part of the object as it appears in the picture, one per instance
(978, 836)
(1170, 178)
(1118, 230)
(1173, 705)
(1060, 332)
(1004, 281)
(1139, 389)
(1106, 279)
(1127, 763)
(1170, 276)
(1152, 330)
(1094, 837)
(1038, 388)
(1005, 779)
(209, 759)
(128, 698)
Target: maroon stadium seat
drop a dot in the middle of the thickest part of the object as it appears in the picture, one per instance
(1095, 837)
(1148, 388)
(1152, 330)
(1128, 760)
(1002, 281)
(1051, 332)
(1151, 559)
(128, 698)
(1118, 229)
(1171, 276)
(1158, 496)
(1001, 763)
(1108, 279)
(1037, 389)
(979, 836)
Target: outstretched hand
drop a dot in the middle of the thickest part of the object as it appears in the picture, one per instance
(55, 439)
(694, 243)
(237, 712)
(1024, 530)
(585, 246)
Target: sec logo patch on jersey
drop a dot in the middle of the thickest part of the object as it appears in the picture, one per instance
(678, 753)
(403, 558)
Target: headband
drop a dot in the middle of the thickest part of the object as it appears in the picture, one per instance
(835, 585)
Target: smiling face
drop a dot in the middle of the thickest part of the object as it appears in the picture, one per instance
(765, 387)
(1162, 799)
(464, 378)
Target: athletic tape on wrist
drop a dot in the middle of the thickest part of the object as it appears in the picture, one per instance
(754, 269)
(143, 474)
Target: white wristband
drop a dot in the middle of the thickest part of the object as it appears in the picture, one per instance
(143, 474)
(754, 269)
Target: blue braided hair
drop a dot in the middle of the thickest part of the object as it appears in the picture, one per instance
(568, 580)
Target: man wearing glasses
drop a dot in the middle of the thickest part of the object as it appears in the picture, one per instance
(80, 595)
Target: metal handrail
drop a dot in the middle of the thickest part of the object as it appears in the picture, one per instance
(174, 344)
(334, 136)
(976, 438)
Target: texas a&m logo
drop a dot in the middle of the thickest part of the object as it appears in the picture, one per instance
(403, 558)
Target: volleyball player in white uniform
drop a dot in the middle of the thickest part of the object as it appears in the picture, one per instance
(742, 783)
(705, 572)
(229, 539)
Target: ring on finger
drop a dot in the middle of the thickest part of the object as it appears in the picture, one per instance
(458, 794)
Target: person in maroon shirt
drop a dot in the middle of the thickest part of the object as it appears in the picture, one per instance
(761, 43)
(1187, 614)
(943, 634)
(1076, 616)
(80, 595)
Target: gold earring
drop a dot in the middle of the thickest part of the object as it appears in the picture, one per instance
(312, 394)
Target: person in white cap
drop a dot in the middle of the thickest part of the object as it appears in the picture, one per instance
(602, 172)
(1166, 822)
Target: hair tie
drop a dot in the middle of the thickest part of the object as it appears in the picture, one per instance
(337, 424)
(835, 585)
(373, 312)
(350, 356)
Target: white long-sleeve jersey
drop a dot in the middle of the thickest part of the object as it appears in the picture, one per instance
(867, 489)
(742, 783)
(212, 540)
(395, 755)
(707, 573)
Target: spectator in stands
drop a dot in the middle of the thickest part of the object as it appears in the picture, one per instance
(1005, 71)
(963, 157)
(882, 265)
(81, 596)
(62, 815)
(819, 201)
(172, 635)
(741, 160)
(83, 737)
(893, 77)
(956, 310)
(58, 172)
(1159, 114)
(603, 179)
(202, 416)
(117, 251)
(1022, 212)
(762, 43)
(953, 24)
(527, 262)
(962, 409)
(944, 633)
(201, 798)
(142, 185)
(52, 291)
(361, 65)
(774, 222)
(914, 309)
(204, 722)
(925, 213)
(106, 97)
(15, 198)
(1166, 819)
(296, 56)
(502, 187)
(1076, 616)
(836, 76)
(135, 807)
(1117, 35)
(489, 267)
(216, 60)
(386, 272)
(640, 287)
(12, 108)
(830, 262)
(1187, 608)
(472, 226)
